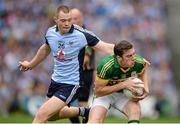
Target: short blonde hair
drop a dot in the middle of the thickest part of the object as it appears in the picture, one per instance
(63, 8)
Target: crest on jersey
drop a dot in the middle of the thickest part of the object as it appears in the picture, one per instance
(61, 45)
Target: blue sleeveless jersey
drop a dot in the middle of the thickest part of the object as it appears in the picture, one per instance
(68, 52)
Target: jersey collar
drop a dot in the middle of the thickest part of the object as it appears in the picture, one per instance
(117, 65)
(70, 31)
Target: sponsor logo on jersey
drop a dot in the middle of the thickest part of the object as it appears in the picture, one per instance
(61, 56)
(123, 76)
(133, 74)
(115, 78)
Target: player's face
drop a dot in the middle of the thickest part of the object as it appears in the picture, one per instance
(128, 58)
(64, 21)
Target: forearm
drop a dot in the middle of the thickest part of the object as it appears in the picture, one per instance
(41, 54)
(145, 80)
(106, 90)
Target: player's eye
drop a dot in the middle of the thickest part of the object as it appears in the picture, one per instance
(130, 55)
(62, 20)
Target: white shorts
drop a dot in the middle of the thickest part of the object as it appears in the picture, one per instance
(116, 100)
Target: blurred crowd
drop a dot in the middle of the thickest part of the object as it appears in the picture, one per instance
(23, 24)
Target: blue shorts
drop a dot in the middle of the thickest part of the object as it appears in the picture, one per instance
(65, 92)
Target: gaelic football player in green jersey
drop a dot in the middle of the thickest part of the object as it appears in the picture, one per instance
(115, 73)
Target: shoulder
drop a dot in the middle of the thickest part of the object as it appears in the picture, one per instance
(91, 38)
(77, 27)
(139, 59)
(105, 65)
(51, 30)
(83, 30)
(140, 64)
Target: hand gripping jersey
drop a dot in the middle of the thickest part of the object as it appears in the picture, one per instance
(110, 69)
(68, 52)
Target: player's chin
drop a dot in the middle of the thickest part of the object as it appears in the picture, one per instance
(66, 29)
(131, 65)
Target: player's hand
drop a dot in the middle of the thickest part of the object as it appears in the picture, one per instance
(86, 64)
(147, 62)
(24, 66)
(131, 85)
(145, 94)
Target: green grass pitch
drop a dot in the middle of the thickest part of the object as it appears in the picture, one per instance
(23, 118)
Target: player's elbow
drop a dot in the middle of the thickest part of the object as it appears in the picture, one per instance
(98, 92)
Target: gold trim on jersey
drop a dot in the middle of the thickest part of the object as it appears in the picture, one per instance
(140, 73)
(125, 70)
(106, 67)
(102, 80)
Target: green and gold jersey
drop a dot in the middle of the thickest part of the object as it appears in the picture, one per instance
(110, 70)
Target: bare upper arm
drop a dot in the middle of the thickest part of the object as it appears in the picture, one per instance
(46, 48)
(100, 82)
(104, 47)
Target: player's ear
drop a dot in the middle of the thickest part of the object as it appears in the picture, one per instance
(118, 58)
(55, 19)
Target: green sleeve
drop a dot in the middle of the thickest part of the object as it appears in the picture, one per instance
(140, 64)
(104, 69)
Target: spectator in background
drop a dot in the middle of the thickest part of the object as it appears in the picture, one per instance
(77, 17)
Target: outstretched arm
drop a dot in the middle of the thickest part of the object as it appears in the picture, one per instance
(41, 54)
(104, 47)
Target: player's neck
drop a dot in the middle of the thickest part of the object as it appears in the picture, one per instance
(123, 65)
(62, 32)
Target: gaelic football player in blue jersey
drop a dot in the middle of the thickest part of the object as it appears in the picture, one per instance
(67, 42)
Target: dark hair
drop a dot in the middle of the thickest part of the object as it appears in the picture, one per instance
(122, 46)
(63, 8)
